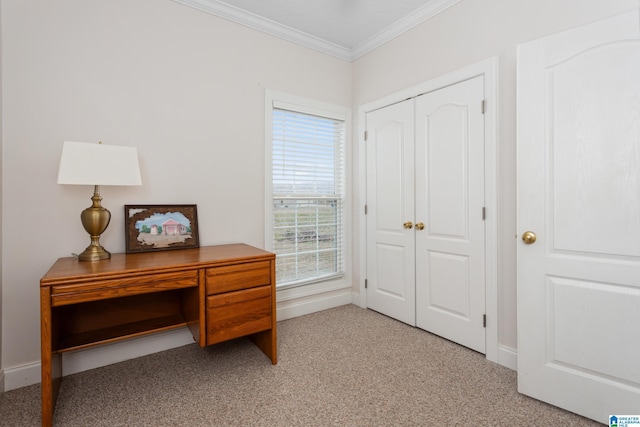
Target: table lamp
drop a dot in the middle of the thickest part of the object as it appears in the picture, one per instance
(99, 164)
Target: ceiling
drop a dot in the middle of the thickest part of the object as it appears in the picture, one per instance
(344, 28)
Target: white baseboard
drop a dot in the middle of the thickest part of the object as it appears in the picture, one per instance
(288, 309)
(96, 357)
(103, 355)
(22, 376)
(356, 299)
(508, 357)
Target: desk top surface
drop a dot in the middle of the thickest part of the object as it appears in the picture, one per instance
(70, 269)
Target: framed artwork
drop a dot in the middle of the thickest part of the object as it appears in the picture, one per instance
(160, 227)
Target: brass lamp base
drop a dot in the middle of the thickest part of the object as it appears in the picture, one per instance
(95, 220)
(94, 253)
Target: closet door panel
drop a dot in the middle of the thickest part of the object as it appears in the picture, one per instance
(390, 201)
(449, 176)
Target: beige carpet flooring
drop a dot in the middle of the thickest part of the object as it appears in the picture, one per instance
(341, 367)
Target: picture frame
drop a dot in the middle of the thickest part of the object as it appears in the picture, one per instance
(150, 228)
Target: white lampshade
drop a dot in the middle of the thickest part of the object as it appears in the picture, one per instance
(85, 163)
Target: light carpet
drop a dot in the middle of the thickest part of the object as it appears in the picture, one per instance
(341, 367)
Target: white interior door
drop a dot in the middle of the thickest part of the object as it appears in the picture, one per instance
(450, 258)
(390, 202)
(579, 193)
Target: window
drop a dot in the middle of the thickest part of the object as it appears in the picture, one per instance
(307, 193)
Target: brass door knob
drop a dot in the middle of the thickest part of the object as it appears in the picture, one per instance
(529, 237)
(420, 226)
(407, 225)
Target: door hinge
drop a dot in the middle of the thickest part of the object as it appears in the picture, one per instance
(483, 106)
(484, 320)
(366, 135)
(365, 284)
(484, 213)
(365, 209)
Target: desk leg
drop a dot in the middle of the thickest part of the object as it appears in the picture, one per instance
(266, 341)
(51, 362)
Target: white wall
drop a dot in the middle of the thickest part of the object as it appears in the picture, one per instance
(468, 33)
(186, 88)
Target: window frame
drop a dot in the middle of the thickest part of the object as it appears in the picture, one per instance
(318, 108)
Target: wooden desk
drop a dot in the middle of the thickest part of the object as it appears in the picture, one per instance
(218, 292)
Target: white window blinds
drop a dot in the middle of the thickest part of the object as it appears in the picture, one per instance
(308, 196)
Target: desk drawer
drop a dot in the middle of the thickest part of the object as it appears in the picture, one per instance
(236, 314)
(113, 288)
(239, 276)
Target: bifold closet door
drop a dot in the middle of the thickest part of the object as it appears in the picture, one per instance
(390, 210)
(449, 194)
(425, 222)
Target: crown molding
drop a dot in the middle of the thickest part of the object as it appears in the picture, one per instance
(422, 14)
(268, 26)
(243, 17)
